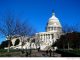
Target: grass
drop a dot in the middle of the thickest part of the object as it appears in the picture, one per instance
(12, 53)
(21, 53)
(11, 50)
(74, 51)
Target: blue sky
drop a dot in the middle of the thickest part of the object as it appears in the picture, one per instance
(37, 12)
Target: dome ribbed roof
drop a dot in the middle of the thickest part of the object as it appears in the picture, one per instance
(54, 21)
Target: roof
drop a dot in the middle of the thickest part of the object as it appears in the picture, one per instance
(54, 21)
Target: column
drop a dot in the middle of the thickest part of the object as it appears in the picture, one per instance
(50, 37)
(45, 38)
(55, 37)
(42, 37)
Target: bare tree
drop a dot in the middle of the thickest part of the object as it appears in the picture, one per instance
(23, 29)
(7, 28)
(68, 29)
(12, 27)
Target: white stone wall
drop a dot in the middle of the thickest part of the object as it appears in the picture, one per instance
(25, 46)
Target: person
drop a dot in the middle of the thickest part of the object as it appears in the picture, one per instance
(46, 51)
(50, 51)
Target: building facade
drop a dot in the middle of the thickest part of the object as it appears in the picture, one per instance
(41, 40)
(53, 32)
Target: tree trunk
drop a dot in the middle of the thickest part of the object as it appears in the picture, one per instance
(9, 44)
(22, 43)
(63, 46)
(68, 45)
(30, 49)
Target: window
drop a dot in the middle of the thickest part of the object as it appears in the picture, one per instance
(51, 28)
(54, 28)
(48, 28)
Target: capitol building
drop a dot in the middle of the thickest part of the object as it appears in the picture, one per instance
(43, 40)
(53, 32)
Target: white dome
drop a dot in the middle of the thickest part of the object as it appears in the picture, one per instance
(53, 24)
(54, 21)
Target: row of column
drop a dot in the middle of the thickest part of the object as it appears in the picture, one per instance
(46, 37)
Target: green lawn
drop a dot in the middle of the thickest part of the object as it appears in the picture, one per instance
(12, 53)
(11, 50)
(74, 51)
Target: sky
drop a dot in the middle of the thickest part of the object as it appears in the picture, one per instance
(37, 12)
